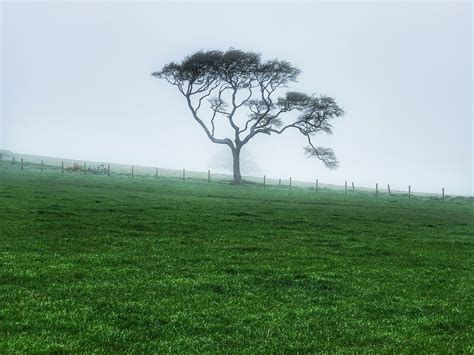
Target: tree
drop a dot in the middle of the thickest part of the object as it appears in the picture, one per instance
(240, 88)
(223, 161)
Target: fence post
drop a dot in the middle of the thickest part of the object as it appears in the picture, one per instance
(290, 183)
(376, 189)
(208, 176)
(264, 181)
(317, 183)
(41, 166)
(279, 181)
(409, 191)
(132, 171)
(21, 163)
(184, 174)
(62, 167)
(442, 193)
(388, 186)
(345, 187)
(156, 173)
(108, 169)
(353, 189)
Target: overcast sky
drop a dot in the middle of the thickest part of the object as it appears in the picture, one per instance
(76, 84)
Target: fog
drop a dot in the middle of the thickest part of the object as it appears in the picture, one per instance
(76, 84)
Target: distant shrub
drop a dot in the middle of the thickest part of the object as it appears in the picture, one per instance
(98, 170)
(75, 168)
(78, 168)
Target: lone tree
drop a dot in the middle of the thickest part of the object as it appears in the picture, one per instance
(239, 88)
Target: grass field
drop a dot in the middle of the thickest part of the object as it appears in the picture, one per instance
(113, 264)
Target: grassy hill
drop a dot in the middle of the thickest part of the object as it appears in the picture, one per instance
(114, 264)
(53, 164)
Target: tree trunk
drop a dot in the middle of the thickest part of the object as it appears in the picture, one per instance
(236, 165)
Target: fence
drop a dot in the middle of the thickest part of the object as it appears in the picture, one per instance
(135, 171)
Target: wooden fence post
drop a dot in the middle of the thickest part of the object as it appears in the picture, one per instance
(279, 181)
(353, 189)
(442, 193)
(376, 189)
(388, 186)
(156, 173)
(21, 163)
(42, 166)
(208, 176)
(345, 187)
(317, 184)
(184, 174)
(264, 181)
(132, 171)
(62, 167)
(108, 169)
(290, 183)
(409, 191)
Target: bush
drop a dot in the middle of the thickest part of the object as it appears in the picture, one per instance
(75, 168)
(78, 168)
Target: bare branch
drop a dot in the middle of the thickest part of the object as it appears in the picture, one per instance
(226, 141)
(206, 95)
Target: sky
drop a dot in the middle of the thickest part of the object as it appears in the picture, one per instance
(75, 83)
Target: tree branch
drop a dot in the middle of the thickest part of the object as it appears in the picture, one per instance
(213, 139)
(326, 155)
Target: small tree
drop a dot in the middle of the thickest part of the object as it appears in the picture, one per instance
(236, 82)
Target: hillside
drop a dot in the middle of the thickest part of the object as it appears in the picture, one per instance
(54, 164)
(114, 264)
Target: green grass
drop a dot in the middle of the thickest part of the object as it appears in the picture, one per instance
(113, 264)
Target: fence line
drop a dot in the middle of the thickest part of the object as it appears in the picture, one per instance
(101, 169)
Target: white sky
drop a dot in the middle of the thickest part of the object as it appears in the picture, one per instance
(76, 83)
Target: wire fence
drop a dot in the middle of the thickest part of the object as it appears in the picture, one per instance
(43, 164)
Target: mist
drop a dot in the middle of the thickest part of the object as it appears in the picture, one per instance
(76, 83)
